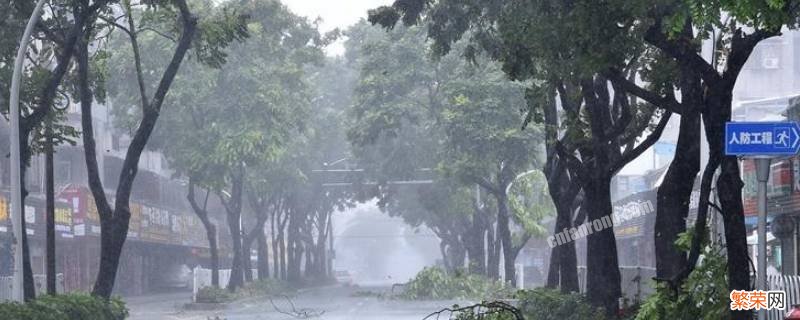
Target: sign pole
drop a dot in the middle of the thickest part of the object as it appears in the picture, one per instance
(16, 188)
(762, 175)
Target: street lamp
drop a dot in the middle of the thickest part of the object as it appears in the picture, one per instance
(16, 187)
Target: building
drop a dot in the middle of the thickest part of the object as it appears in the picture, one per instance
(165, 237)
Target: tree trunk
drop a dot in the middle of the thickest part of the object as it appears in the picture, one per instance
(114, 222)
(237, 276)
(247, 263)
(276, 272)
(603, 277)
(493, 243)
(211, 230)
(294, 253)
(563, 257)
(475, 244)
(233, 208)
(50, 211)
(673, 197)
(310, 265)
(729, 191)
(28, 287)
(568, 268)
(322, 262)
(554, 267)
(211, 234)
(282, 256)
(263, 257)
(255, 232)
(112, 239)
(504, 234)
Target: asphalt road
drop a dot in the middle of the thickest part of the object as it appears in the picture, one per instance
(329, 303)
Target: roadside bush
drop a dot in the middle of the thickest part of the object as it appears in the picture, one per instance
(536, 304)
(548, 304)
(74, 306)
(435, 284)
(703, 295)
(213, 295)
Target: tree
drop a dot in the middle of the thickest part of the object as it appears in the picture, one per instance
(741, 25)
(241, 120)
(449, 114)
(46, 68)
(538, 42)
(114, 221)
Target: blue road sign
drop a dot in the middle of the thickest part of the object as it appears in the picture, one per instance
(762, 138)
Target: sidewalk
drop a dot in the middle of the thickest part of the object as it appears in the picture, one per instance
(157, 306)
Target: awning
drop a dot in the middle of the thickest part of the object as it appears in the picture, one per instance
(753, 220)
(753, 238)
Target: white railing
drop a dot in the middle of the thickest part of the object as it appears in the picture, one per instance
(789, 284)
(201, 278)
(39, 282)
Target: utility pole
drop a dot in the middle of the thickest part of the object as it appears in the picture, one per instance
(16, 186)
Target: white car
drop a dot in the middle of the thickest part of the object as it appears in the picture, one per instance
(344, 277)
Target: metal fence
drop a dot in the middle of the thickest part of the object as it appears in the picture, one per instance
(637, 282)
(789, 284)
(39, 282)
(201, 278)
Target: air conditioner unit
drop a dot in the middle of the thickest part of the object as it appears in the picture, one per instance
(770, 63)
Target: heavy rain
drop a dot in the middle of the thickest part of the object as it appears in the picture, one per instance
(399, 159)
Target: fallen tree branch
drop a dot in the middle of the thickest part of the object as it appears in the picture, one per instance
(480, 310)
(302, 313)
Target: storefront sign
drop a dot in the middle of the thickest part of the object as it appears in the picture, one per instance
(135, 224)
(156, 224)
(63, 219)
(4, 220)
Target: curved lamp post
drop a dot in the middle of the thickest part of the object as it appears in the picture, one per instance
(16, 187)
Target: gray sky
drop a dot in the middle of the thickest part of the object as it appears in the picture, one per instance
(334, 13)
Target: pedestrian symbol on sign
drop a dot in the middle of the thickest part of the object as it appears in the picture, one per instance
(782, 136)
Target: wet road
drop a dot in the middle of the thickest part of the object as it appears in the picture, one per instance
(334, 303)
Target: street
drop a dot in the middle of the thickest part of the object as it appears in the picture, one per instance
(335, 303)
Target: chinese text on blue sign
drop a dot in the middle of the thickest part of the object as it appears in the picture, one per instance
(762, 138)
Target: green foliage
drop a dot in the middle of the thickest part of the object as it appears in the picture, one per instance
(703, 295)
(413, 109)
(483, 314)
(547, 304)
(433, 283)
(530, 202)
(537, 304)
(36, 72)
(218, 118)
(213, 294)
(759, 14)
(74, 306)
